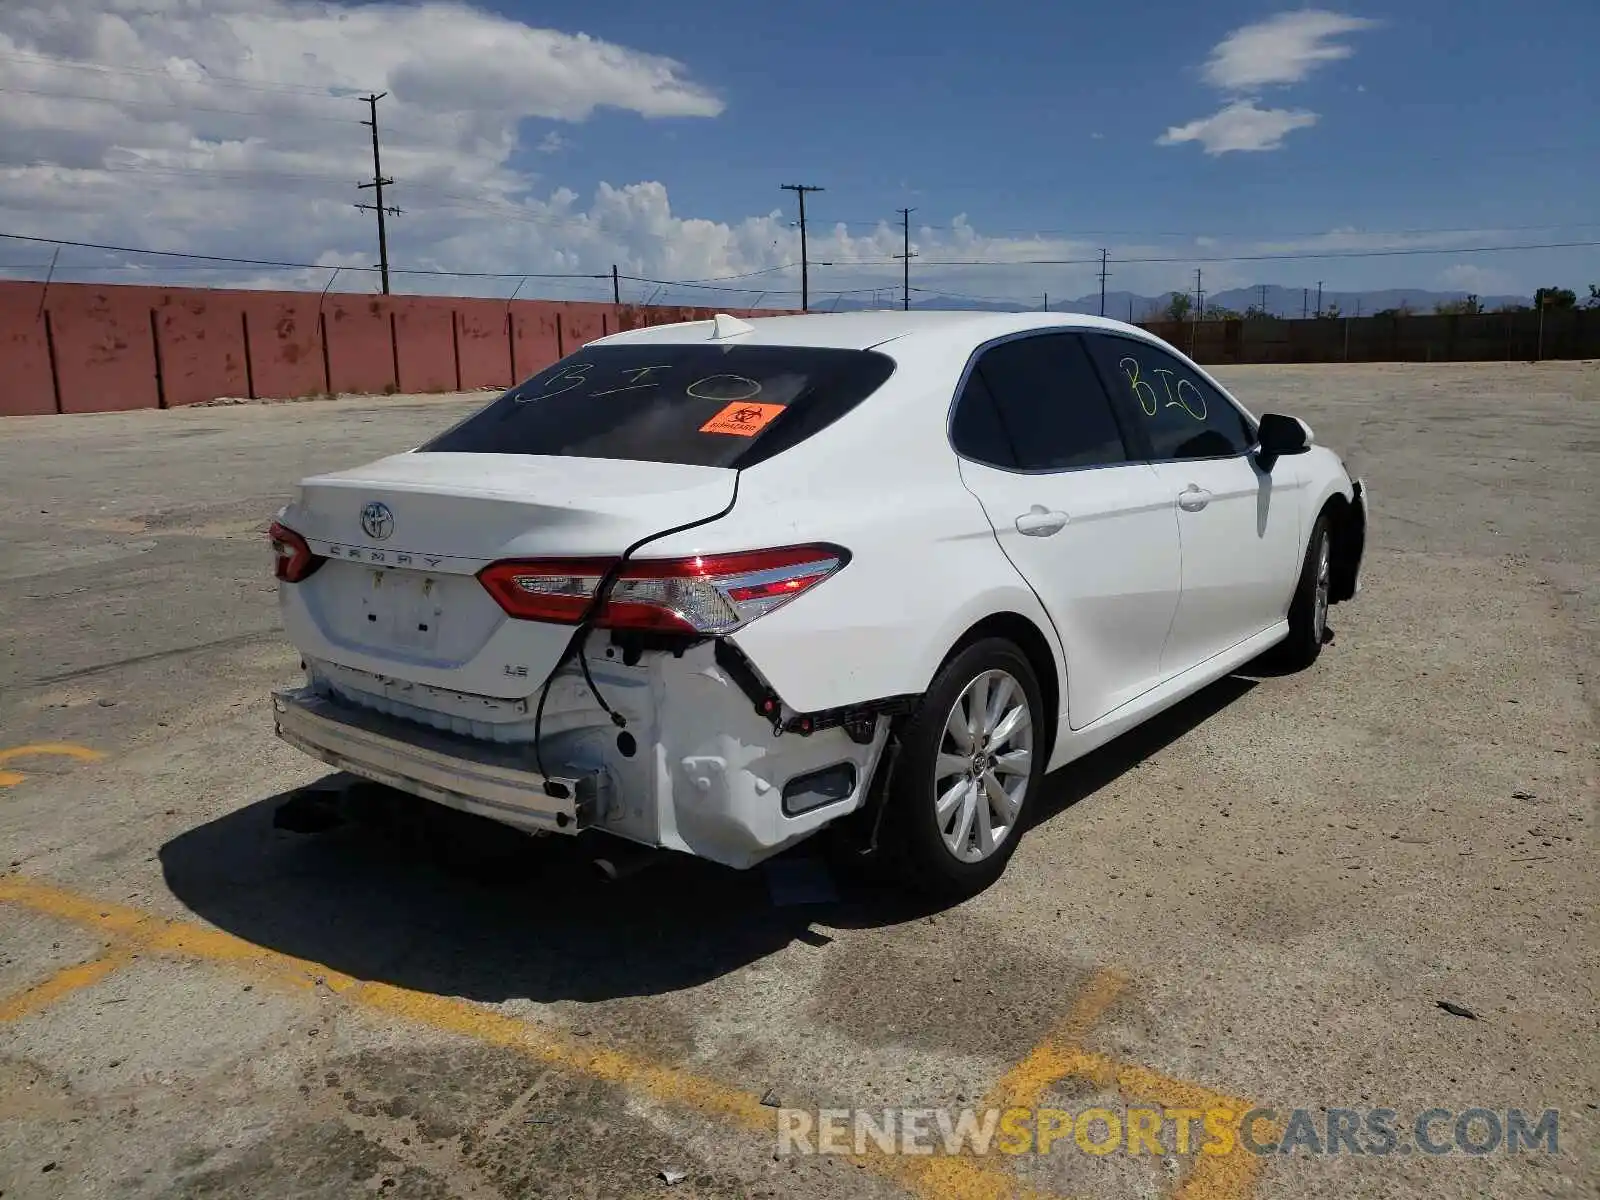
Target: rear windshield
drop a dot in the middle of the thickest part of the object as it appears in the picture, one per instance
(706, 405)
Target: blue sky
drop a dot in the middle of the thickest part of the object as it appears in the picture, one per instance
(1025, 116)
(562, 139)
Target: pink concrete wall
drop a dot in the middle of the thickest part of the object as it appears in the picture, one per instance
(583, 322)
(105, 350)
(425, 344)
(285, 344)
(483, 343)
(538, 338)
(27, 385)
(121, 347)
(200, 340)
(360, 350)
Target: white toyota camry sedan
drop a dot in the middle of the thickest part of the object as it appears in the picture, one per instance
(714, 586)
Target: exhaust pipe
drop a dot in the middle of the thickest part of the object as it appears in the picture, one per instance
(626, 859)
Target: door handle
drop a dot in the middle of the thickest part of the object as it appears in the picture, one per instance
(1039, 521)
(1193, 498)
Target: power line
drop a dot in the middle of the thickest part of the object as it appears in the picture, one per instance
(226, 261)
(298, 266)
(711, 287)
(123, 102)
(789, 266)
(1257, 234)
(156, 73)
(965, 296)
(1225, 258)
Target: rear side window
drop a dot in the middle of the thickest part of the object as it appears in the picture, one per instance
(703, 405)
(1036, 404)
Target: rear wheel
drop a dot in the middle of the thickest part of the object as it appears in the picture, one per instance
(969, 760)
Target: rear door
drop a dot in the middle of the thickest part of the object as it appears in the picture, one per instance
(1239, 525)
(1091, 530)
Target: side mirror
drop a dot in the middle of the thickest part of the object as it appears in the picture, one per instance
(1279, 435)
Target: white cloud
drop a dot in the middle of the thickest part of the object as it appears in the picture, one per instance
(1480, 281)
(1285, 48)
(1242, 125)
(232, 127)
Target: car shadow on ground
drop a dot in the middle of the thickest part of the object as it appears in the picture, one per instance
(382, 887)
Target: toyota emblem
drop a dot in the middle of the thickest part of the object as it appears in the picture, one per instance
(377, 521)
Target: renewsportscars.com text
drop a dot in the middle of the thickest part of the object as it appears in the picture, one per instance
(1377, 1132)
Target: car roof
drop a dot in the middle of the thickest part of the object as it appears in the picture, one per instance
(864, 330)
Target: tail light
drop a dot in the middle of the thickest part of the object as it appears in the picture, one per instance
(708, 594)
(292, 557)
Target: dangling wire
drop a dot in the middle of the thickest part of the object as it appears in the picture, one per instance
(575, 644)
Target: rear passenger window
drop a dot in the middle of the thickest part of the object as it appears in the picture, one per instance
(1180, 412)
(1036, 404)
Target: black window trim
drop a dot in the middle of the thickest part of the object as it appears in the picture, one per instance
(1250, 422)
(1133, 459)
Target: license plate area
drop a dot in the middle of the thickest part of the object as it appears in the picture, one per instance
(402, 609)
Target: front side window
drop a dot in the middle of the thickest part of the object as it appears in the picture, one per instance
(696, 404)
(1035, 404)
(1178, 411)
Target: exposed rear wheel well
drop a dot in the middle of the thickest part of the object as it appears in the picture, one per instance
(1025, 635)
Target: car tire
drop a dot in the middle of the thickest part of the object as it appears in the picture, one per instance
(1308, 611)
(932, 808)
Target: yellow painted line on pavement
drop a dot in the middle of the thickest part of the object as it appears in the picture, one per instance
(42, 749)
(938, 1178)
(63, 983)
(1047, 1062)
(1060, 1055)
(1230, 1176)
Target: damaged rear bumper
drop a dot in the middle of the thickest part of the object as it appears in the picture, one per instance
(457, 772)
(698, 766)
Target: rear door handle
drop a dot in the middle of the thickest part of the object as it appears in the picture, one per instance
(1193, 498)
(1040, 521)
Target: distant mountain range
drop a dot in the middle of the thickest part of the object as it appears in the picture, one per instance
(1279, 302)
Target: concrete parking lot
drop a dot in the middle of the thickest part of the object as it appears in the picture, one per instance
(210, 986)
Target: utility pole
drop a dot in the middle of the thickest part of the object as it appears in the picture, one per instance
(1047, 302)
(1305, 303)
(800, 190)
(1319, 297)
(1264, 300)
(616, 285)
(378, 184)
(1103, 274)
(1199, 296)
(906, 256)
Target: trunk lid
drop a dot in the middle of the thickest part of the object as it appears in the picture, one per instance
(405, 537)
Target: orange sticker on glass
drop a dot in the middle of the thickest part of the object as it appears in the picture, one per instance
(743, 419)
